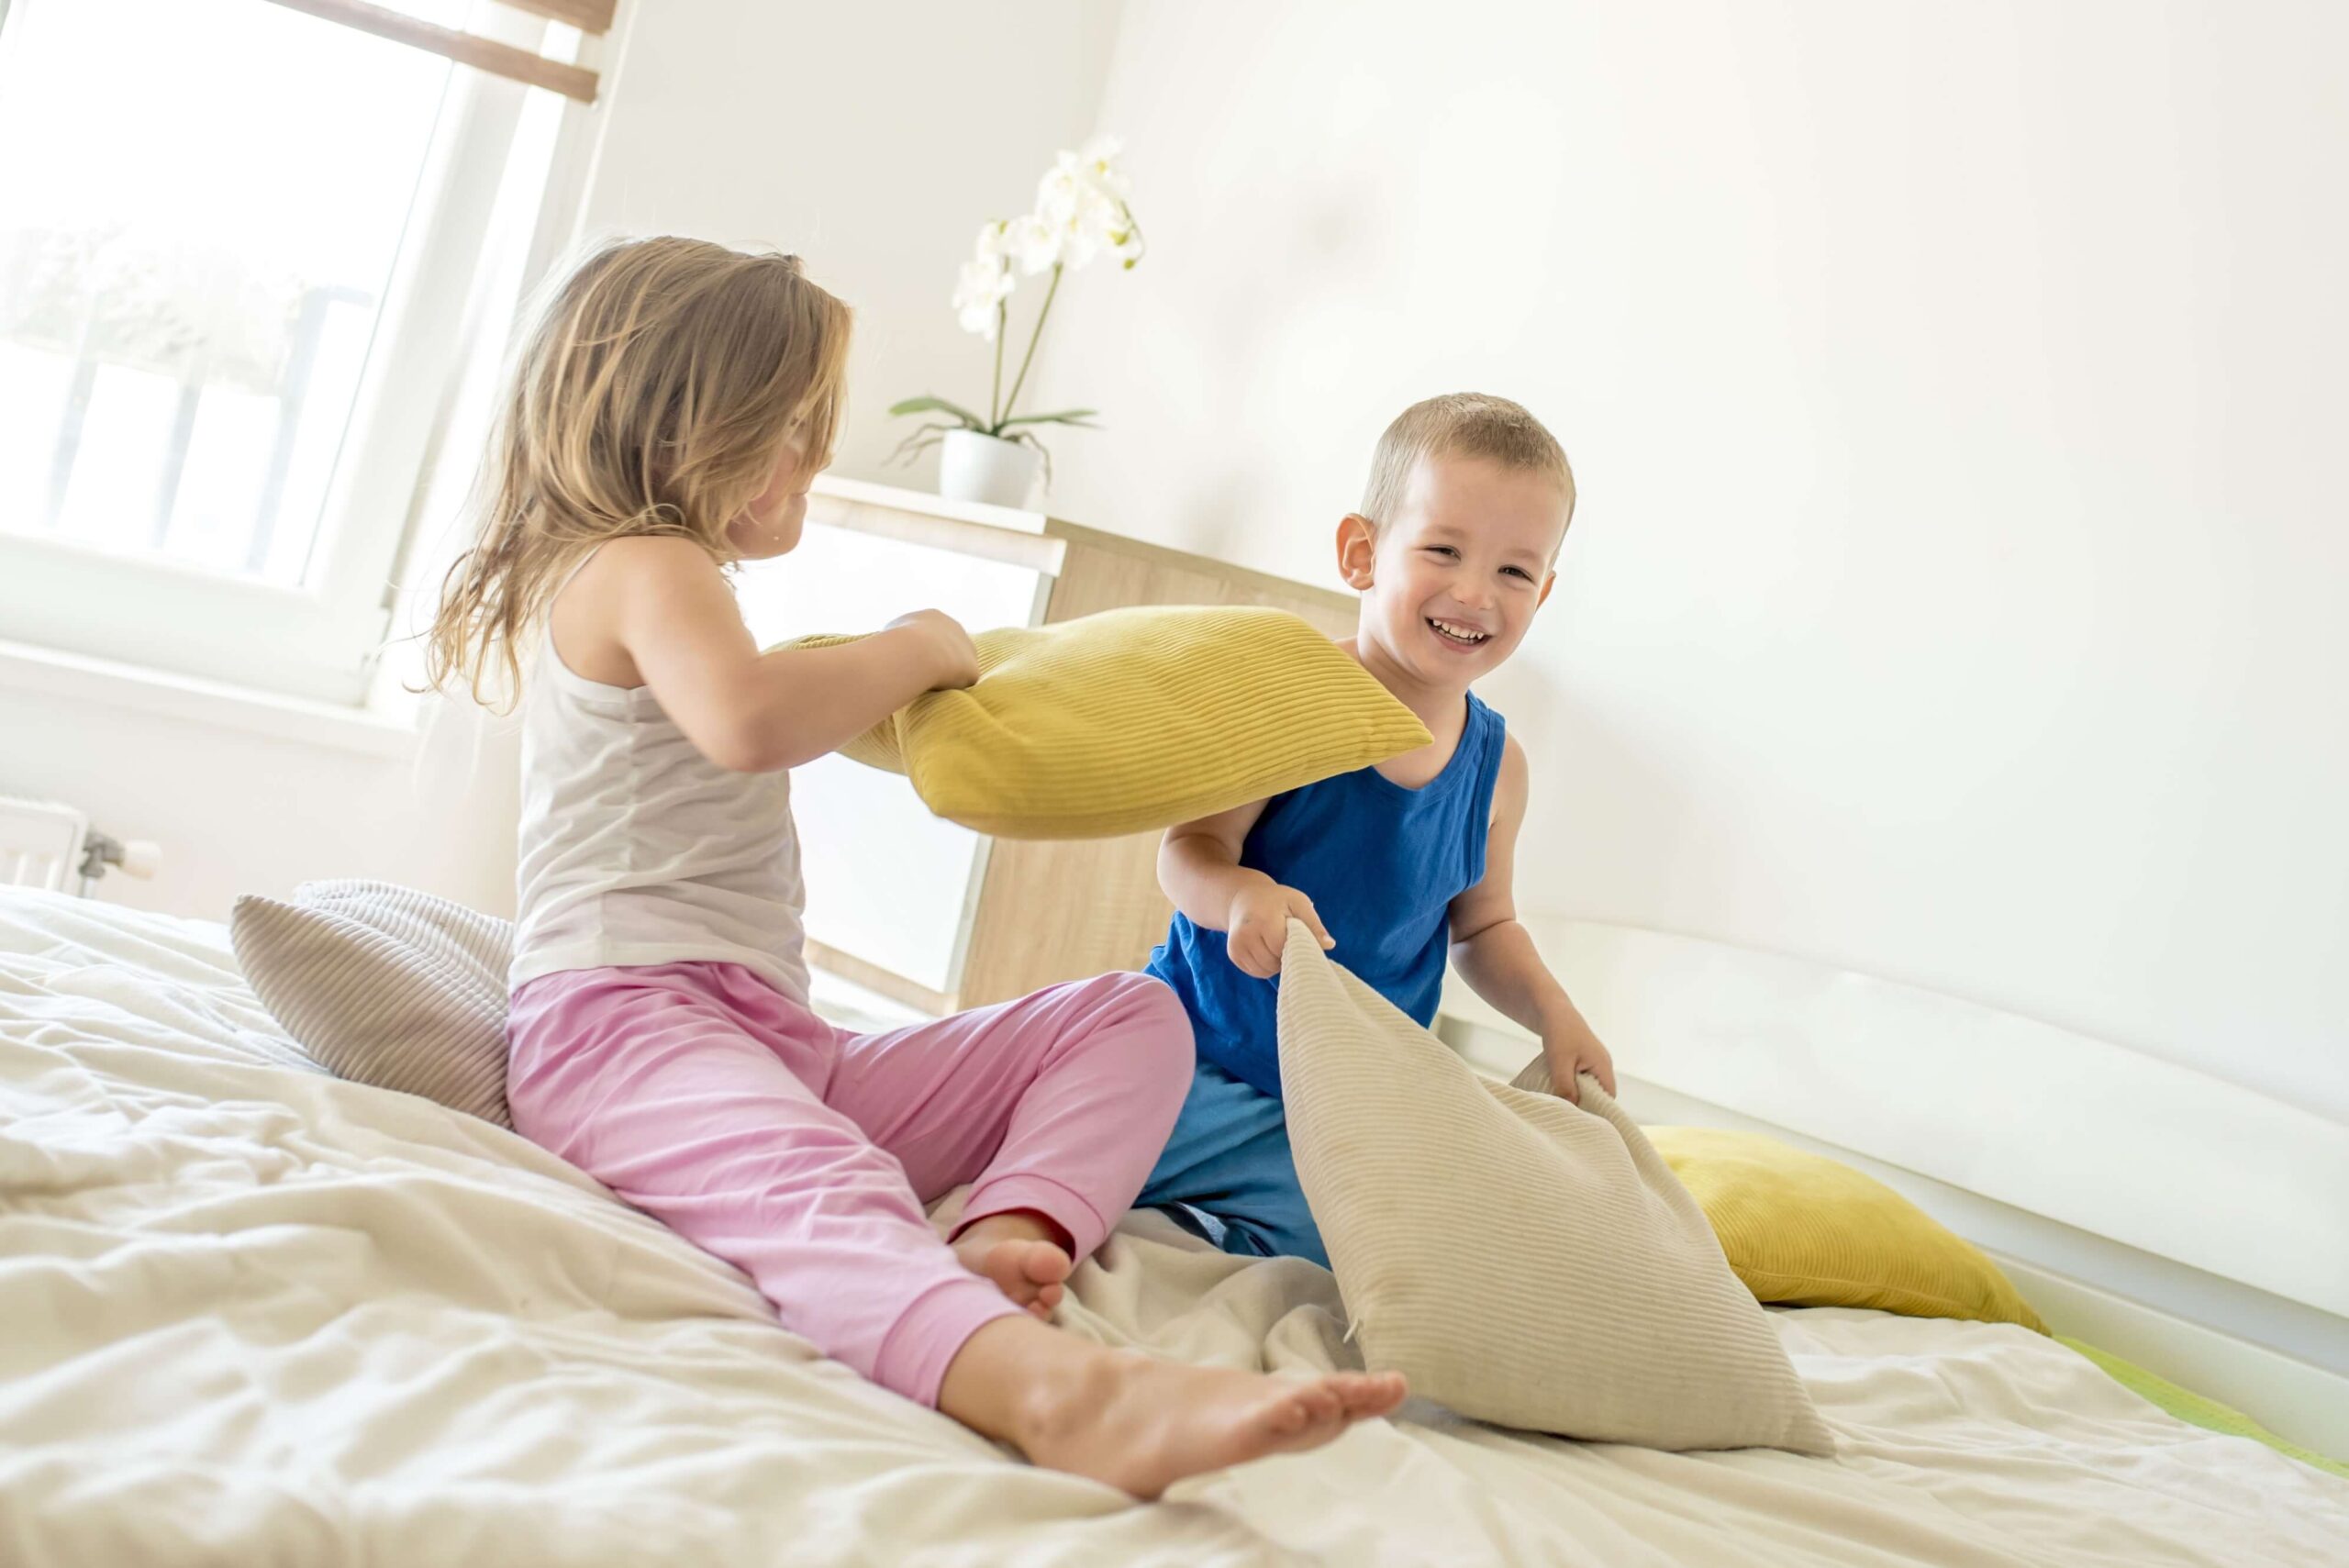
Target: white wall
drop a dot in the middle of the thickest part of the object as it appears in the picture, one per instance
(872, 140)
(1956, 397)
(237, 812)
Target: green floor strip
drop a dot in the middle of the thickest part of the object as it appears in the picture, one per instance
(2188, 1405)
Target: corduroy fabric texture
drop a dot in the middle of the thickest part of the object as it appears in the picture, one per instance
(1135, 719)
(1804, 1231)
(1520, 1259)
(386, 986)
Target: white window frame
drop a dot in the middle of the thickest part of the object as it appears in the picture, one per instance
(321, 640)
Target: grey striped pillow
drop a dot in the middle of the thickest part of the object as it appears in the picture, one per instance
(385, 985)
(1520, 1259)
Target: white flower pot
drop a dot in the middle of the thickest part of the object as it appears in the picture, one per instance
(973, 467)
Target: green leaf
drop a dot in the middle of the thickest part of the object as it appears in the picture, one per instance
(1065, 416)
(937, 405)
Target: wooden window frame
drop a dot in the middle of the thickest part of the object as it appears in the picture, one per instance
(483, 53)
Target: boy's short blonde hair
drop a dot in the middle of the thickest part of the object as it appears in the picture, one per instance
(1461, 423)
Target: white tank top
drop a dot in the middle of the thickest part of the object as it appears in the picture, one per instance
(637, 849)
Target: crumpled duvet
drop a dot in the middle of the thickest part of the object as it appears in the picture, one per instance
(253, 1314)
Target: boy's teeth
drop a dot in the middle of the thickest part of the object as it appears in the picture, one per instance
(1459, 633)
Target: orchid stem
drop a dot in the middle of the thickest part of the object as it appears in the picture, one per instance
(994, 393)
(1030, 357)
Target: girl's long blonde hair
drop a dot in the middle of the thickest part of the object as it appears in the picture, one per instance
(655, 394)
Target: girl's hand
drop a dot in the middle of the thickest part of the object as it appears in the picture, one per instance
(1257, 928)
(954, 660)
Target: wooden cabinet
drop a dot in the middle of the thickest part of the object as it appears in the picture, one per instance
(921, 910)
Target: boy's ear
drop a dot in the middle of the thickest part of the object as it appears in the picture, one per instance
(1548, 583)
(1357, 550)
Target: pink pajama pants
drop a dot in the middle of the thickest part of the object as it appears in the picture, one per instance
(804, 1156)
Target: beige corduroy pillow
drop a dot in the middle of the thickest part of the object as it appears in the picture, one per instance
(1520, 1260)
(386, 986)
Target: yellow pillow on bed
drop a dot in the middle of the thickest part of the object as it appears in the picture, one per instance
(1804, 1231)
(1138, 719)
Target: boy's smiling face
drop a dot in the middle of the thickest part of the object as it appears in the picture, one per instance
(1451, 582)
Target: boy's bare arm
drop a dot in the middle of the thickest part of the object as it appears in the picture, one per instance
(1495, 954)
(1199, 866)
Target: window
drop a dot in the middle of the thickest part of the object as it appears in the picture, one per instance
(235, 282)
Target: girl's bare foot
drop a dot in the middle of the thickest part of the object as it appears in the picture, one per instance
(1023, 1255)
(1144, 1424)
(1137, 1422)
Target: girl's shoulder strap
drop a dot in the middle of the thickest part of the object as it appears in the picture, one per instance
(546, 662)
(572, 572)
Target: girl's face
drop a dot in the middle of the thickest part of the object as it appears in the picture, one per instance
(769, 525)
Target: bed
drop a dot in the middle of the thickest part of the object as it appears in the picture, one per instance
(257, 1315)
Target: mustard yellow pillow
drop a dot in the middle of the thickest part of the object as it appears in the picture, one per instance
(1804, 1231)
(1138, 718)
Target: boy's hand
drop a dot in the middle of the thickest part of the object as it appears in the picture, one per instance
(1570, 1049)
(954, 663)
(1257, 927)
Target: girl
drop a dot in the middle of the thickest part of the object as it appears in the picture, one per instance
(666, 416)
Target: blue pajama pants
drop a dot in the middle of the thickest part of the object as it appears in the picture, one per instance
(1227, 1173)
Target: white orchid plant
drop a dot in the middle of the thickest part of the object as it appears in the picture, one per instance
(1081, 215)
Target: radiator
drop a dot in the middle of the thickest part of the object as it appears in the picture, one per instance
(45, 845)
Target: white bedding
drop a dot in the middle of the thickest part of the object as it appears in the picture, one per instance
(251, 1315)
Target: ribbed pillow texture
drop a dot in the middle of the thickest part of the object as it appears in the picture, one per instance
(1804, 1231)
(1135, 719)
(385, 985)
(1521, 1259)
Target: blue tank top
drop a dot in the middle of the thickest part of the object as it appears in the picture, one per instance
(1382, 864)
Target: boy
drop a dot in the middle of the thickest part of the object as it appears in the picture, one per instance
(1452, 552)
